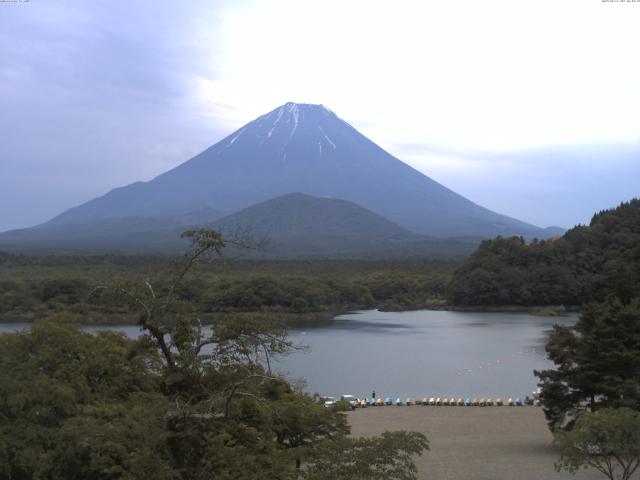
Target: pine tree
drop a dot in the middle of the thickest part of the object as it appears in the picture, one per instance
(597, 362)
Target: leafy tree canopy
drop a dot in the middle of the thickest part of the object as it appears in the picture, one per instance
(607, 440)
(597, 362)
(586, 264)
(181, 402)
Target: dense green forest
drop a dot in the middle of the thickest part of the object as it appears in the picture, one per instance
(180, 402)
(33, 287)
(584, 265)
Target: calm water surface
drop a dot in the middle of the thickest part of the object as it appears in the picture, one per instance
(424, 353)
(421, 353)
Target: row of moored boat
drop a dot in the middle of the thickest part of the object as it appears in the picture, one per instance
(447, 402)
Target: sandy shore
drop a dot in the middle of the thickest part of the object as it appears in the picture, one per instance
(492, 443)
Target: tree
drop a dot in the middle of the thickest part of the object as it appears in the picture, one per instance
(184, 401)
(597, 363)
(79, 406)
(248, 405)
(586, 264)
(301, 422)
(607, 440)
(379, 458)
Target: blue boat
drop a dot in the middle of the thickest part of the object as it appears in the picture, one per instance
(467, 402)
(399, 402)
(372, 402)
(518, 402)
(388, 401)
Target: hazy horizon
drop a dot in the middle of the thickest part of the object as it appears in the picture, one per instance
(519, 108)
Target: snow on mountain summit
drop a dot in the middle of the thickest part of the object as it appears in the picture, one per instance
(305, 148)
(280, 127)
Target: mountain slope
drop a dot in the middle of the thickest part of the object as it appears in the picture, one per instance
(297, 214)
(302, 148)
(301, 226)
(293, 226)
(141, 234)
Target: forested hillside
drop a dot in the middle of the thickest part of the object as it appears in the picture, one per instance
(584, 265)
(34, 287)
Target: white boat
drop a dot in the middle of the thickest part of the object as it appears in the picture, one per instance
(350, 399)
(329, 402)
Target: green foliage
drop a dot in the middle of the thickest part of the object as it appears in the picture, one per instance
(181, 402)
(33, 288)
(205, 239)
(607, 440)
(76, 406)
(597, 362)
(380, 458)
(80, 406)
(586, 264)
(67, 291)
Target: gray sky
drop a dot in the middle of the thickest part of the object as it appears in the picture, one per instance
(531, 109)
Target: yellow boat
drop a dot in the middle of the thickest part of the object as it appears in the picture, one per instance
(499, 402)
(460, 402)
(453, 402)
(432, 401)
(445, 402)
(408, 401)
(474, 402)
(510, 402)
(489, 402)
(438, 401)
(482, 402)
(379, 402)
(425, 401)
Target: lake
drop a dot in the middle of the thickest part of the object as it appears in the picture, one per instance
(419, 353)
(425, 353)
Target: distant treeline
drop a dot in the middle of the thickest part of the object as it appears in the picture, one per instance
(31, 288)
(585, 265)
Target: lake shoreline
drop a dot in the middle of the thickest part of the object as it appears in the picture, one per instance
(541, 310)
(324, 318)
(557, 310)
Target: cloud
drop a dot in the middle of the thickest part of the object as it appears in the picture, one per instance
(99, 94)
(491, 75)
(95, 95)
(558, 185)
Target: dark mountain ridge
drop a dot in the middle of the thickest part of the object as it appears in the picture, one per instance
(293, 226)
(130, 234)
(297, 226)
(297, 214)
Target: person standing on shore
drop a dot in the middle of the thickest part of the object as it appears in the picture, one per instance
(373, 394)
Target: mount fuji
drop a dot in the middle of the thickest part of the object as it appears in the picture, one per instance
(295, 148)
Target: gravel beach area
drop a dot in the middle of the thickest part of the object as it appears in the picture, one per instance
(490, 443)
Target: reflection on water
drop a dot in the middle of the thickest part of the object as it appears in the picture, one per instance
(421, 353)
(342, 323)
